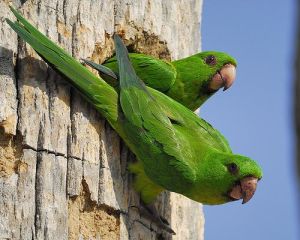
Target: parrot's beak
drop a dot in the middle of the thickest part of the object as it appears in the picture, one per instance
(245, 189)
(228, 74)
(223, 78)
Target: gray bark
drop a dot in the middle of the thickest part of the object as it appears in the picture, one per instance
(62, 168)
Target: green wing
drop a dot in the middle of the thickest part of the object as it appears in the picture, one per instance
(97, 91)
(192, 124)
(148, 120)
(155, 73)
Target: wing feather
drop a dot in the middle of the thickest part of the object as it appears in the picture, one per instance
(143, 111)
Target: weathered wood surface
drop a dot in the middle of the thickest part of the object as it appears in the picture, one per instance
(62, 168)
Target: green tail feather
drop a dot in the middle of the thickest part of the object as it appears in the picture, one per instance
(96, 91)
(128, 77)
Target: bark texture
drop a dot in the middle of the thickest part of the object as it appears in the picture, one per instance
(62, 168)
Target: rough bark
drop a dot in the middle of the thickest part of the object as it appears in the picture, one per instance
(62, 168)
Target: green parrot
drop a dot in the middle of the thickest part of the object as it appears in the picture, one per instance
(175, 149)
(190, 81)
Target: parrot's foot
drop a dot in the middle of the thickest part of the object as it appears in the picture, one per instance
(151, 213)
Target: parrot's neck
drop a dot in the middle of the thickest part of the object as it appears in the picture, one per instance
(205, 188)
(190, 82)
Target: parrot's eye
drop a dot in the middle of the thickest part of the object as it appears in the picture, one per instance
(232, 168)
(211, 60)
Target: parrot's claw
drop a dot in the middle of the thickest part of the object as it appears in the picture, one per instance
(149, 211)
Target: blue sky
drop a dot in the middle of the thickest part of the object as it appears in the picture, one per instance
(256, 114)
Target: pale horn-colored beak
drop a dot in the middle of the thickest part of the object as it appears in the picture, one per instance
(228, 74)
(223, 78)
(248, 186)
(245, 190)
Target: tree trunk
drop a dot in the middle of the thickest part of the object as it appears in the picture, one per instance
(62, 168)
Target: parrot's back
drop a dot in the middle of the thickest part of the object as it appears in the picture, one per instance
(155, 73)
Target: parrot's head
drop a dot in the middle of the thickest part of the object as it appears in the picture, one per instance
(203, 74)
(225, 178)
(220, 70)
